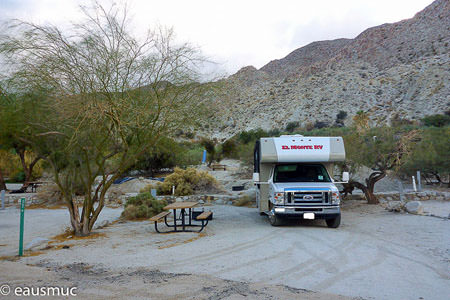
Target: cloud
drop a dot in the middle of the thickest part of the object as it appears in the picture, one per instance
(237, 33)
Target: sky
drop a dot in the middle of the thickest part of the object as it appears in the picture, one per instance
(236, 33)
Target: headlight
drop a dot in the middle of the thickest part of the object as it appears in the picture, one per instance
(278, 198)
(335, 199)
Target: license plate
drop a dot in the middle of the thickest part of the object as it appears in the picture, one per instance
(308, 216)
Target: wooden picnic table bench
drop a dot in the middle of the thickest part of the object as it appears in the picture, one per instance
(159, 216)
(182, 206)
(204, 215)
(218, 167)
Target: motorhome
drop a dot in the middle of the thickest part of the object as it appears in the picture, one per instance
(294, 176)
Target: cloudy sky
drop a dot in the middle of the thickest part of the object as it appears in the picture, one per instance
(237, 33)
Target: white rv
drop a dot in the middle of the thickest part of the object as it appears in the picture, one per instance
(294, 178)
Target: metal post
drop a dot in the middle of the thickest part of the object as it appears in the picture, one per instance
(400, 190)
(22, 212)
(3, 198)
(419, 182)
(414, 184)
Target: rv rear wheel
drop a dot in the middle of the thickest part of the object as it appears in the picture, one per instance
(334, 223)
(274, 220)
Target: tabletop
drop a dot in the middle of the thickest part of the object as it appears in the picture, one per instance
(180, 205)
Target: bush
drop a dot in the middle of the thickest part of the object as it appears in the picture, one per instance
(229, 148)
(341, 115)
(186, 182)
(246, 137)
(142, 206)
(291, 126)
(19, 177)
(245, 200)
(436, 120)
(320, 124)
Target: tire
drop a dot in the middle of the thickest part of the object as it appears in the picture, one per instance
(275, 220)
(334, 223)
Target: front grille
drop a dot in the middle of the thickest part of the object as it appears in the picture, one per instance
(307, 197)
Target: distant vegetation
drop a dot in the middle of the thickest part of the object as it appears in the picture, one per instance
(403, 148)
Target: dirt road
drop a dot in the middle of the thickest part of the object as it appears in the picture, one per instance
(375, 254)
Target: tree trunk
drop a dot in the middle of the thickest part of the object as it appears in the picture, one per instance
(2, 181)
(368, 189)
(28, 170)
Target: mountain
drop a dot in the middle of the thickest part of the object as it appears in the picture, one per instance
(398, 70)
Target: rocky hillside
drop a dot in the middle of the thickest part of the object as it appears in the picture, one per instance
(392, 70)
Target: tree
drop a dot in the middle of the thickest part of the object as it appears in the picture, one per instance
(382, 150)
(165, 154)
(430, 155)
(210, 147)
(16, 112)
(110, 96)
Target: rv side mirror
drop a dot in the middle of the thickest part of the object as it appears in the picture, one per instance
(256, 177)
(345, 176)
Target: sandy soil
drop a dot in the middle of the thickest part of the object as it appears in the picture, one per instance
(375, 254)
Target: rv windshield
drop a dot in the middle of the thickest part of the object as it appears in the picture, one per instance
(301, 173)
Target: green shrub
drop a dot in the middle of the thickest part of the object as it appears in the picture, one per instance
(229, 148)
(144, 205)
(436, 120)
(186, 182)
(291, 126)
(19, 177)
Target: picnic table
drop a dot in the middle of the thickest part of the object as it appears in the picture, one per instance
(218, 167)
(35, 184)
(176, 225)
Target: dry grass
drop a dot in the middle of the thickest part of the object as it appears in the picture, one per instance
(245, 200)
(186, 182)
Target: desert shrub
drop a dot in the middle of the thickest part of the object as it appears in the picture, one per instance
(341, 115)
(144, 205)
(229, 148)
(210, 146)
(186, 182)
(309, 126)
(436, 120)
(291, 126)
(148, 188)
(321, 124)
(398, 121)
(245, 200)
(251, 136)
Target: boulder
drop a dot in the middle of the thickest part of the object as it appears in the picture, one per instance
(414, 207)
(102, 224)
(396, 206)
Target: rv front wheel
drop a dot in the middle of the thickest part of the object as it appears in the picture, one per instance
(334, 223)
(274, 220)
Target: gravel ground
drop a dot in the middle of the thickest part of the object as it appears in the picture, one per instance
(375, 254)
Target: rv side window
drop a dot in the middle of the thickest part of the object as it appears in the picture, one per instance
(301, 173)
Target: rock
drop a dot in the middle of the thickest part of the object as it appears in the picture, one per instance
(36, 242)
(102, 224)
(396, 206)
(414, 207)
